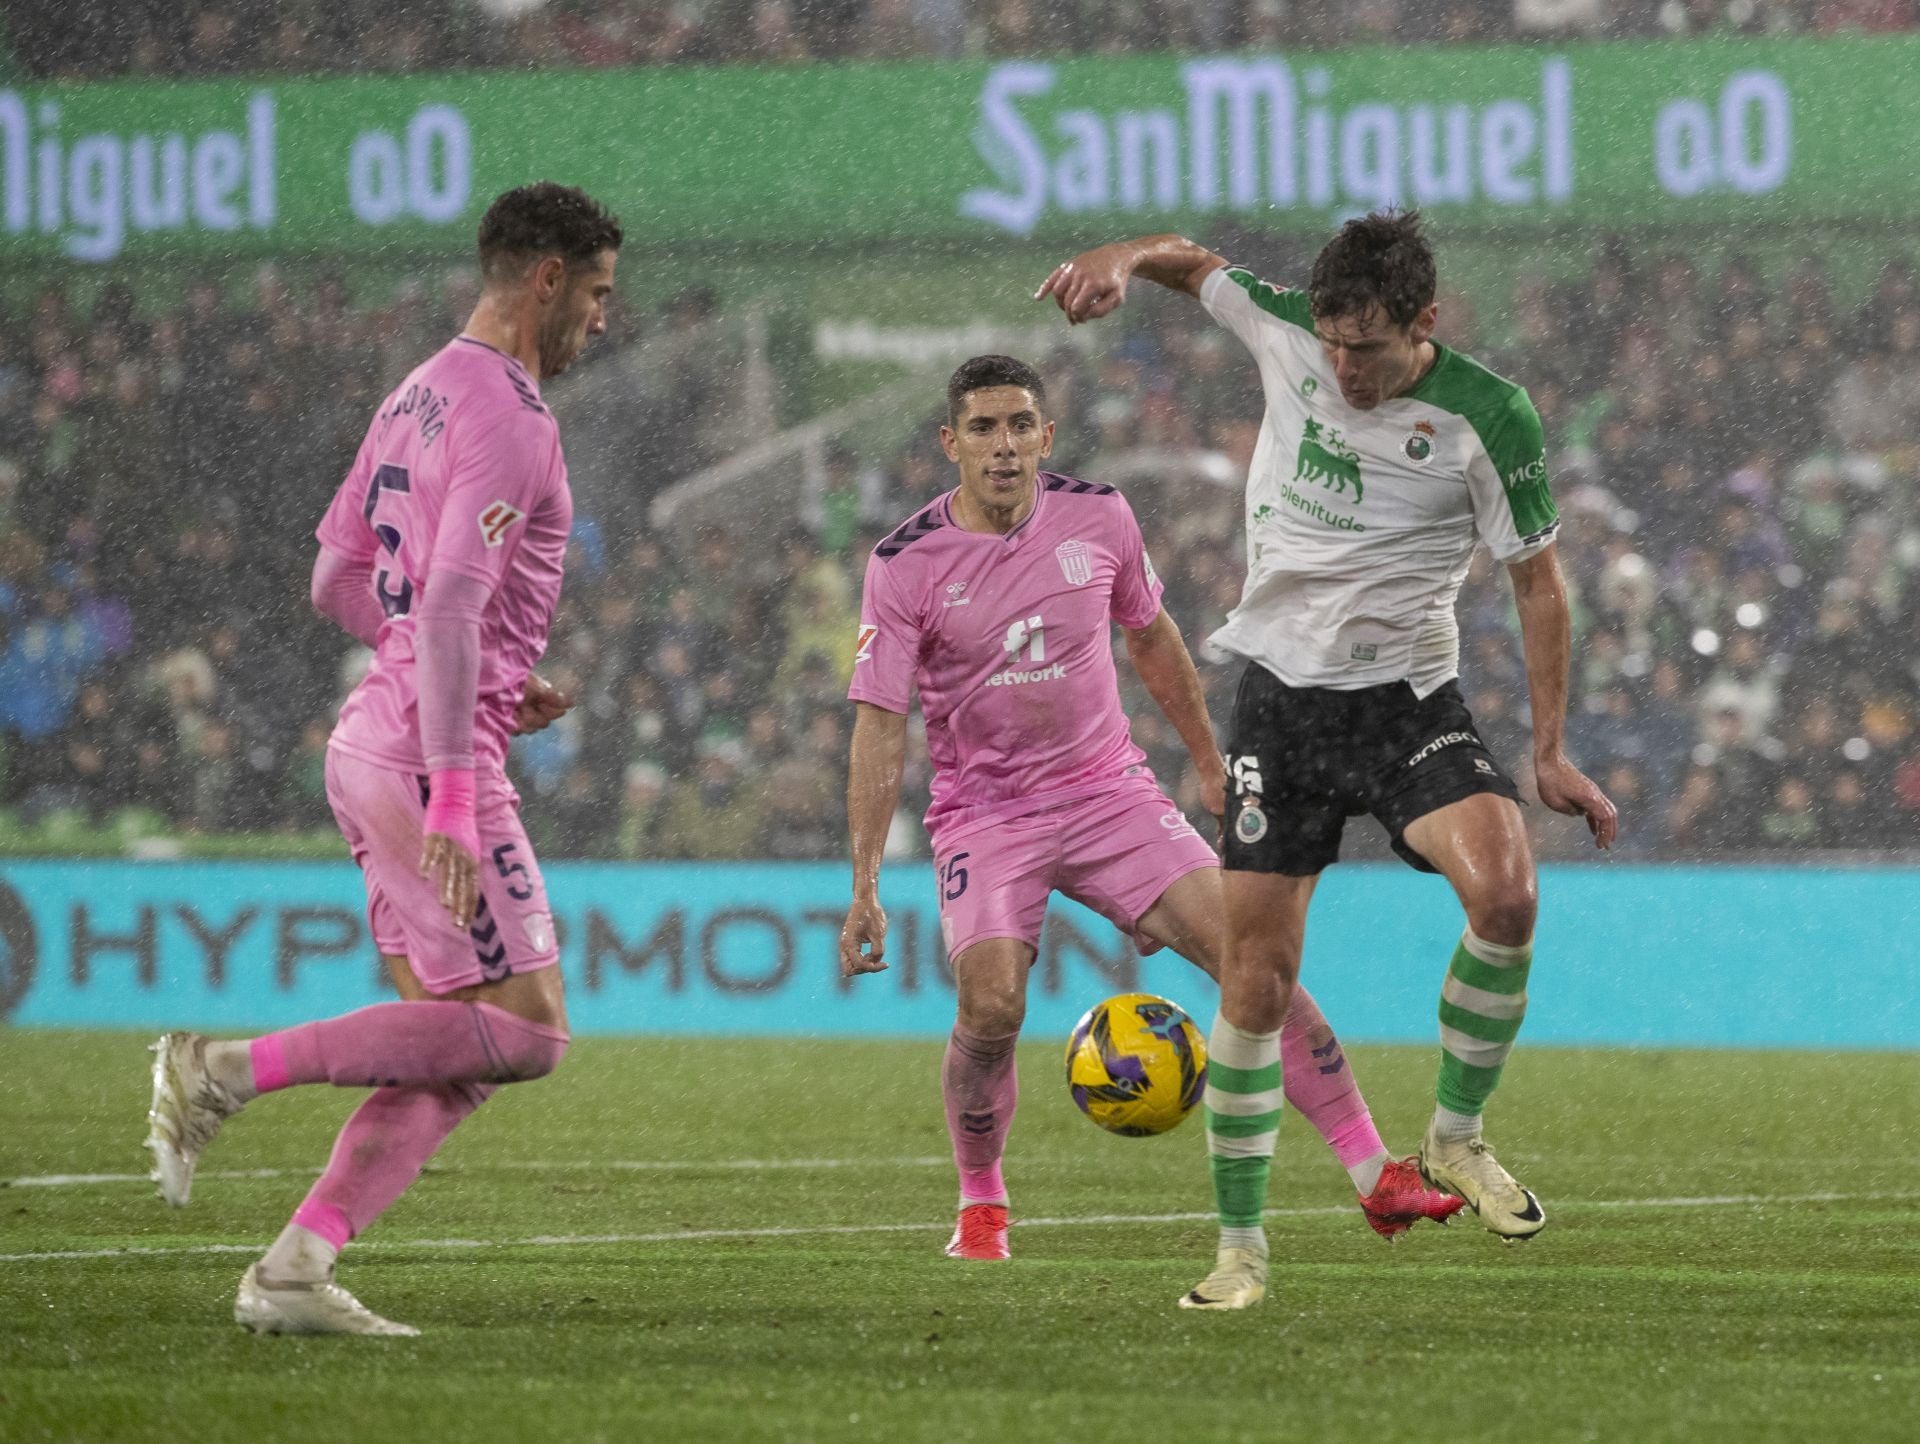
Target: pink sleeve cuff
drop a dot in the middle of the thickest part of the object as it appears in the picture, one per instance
(450, 807)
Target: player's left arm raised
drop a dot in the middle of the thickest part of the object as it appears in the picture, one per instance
(1546, 636)
(1094, 283)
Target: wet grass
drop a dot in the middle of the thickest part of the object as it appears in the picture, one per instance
(1734, 1249)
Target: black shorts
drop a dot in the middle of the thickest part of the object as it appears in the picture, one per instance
(1302, 760)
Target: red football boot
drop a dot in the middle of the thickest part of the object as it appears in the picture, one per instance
(1401, 1199)
(982, 1231)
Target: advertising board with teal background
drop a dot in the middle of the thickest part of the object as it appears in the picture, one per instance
(1663, 956)
(1714, 130)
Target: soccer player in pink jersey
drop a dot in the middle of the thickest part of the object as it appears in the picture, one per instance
(997, 602)
(443, 551)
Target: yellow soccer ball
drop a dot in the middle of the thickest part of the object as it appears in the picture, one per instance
(1136, 1064)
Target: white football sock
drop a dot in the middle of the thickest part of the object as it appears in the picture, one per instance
(299, 1255)
(1451, 1127)
(1252, 1239)
(1366, 1173)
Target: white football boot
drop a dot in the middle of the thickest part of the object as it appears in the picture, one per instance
(1466, 1168)
(273, 1306)
(1238, 1281)
(189, 1105)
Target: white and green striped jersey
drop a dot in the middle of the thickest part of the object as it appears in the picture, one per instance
(1360, 524)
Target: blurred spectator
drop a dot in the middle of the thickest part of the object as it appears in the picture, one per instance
(223, 37)
(710, 815)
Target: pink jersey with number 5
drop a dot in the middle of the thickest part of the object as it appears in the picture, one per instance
(1010, 640)
(461, 470)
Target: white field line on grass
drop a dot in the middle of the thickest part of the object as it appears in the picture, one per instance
(756, 1165)
(667, 1165)
(1093, 1220)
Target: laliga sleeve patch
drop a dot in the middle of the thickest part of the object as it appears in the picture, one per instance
(863, 643)
(495, 521)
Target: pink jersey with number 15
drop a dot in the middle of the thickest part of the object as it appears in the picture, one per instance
(1010, 640)
(460, 470)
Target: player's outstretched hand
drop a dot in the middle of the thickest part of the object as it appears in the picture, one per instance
(1566, 789)
(455, 874)
(865, 927)
(1092, 284)
(541, 705)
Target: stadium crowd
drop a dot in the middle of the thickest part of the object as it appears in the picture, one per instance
(49, 39)
(1735, 460)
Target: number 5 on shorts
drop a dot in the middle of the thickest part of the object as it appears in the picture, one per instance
(521, 890)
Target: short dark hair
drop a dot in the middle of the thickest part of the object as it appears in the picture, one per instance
(544, 219)
(1381, 259)
(981, 372)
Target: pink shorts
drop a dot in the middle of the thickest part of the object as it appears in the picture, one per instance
(381, 812)
(1117, 853)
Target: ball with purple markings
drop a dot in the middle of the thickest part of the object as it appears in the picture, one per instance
(1136, 1064)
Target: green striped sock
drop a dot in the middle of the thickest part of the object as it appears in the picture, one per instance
(1481, 1008)
(1242, 1107)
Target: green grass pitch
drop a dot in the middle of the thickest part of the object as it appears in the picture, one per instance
(1734, 1252)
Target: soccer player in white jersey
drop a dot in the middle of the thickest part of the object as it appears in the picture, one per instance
(997, 602)
(1384, 460)
(443, 550)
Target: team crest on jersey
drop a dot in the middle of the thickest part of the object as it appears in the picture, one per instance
(863, 643)
(495, 520)
(1419, 446)
(1326, 458)
(1076, 562)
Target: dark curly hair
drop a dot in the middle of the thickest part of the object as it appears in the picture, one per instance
(544, 219)
(1381, 259)
(981, 372)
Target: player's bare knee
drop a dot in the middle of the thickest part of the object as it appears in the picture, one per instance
(1505, 912)
(1266, 954)
(992, 1012)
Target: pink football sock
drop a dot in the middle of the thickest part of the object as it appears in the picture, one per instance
(1319, 1083)
(981, 1087)
(380, 1152)
(397, 1045)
